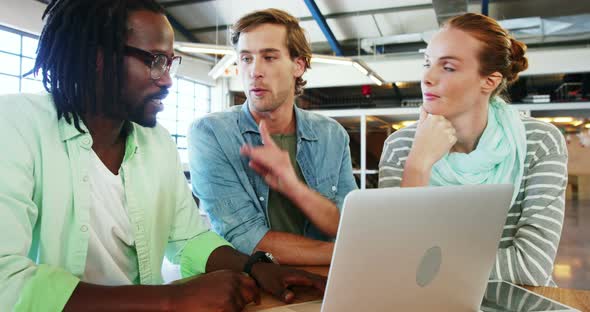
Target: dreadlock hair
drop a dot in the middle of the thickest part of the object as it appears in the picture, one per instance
(74, 33)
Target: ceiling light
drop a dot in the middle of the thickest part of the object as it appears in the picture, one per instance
(545, 119)
(578, 122)
(408, 123)
(329, 59)
(190, 47)
(360, 68)
(562, 270)
(230, 57)
(376, 79)
(396, 126)
(222, 65)
(563, 119)
(587, 126)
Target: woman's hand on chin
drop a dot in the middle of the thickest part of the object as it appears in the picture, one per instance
(435, 136)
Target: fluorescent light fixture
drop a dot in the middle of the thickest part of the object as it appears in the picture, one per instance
(396, 126)
(329, 59)
(222, 65)
(360, 68)
(562, 270)
(230, 57)
(408, 123)
(577, 123)
(587, 126)
(375, 79)
(545, 119)
(190, 47)
(563, 119)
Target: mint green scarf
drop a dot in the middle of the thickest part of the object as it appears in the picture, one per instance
(498, 157)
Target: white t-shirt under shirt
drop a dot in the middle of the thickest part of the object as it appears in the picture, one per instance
(112, 257)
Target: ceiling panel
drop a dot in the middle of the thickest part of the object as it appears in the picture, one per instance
(220, 13)
(313, 31)
(407, 22)
(508, 9)
(214, 37)
(198, 15)
(337, 6)
(225, 12)
(343, 28)
(353, 27)
(346, 27)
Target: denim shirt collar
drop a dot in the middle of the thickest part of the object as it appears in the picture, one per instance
(305, 131)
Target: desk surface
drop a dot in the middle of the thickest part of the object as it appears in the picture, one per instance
(579, 299)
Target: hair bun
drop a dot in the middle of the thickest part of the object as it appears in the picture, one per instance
(518, 62)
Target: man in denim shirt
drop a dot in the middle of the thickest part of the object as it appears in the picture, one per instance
(271, 176)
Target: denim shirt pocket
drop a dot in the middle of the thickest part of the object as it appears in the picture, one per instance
(328, 186)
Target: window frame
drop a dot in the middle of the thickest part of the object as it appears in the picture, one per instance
(177, 134)
(178, 106)
(20, 55)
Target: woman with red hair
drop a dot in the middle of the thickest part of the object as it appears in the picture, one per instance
(467, 134)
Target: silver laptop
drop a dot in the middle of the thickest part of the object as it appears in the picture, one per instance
(414, 249)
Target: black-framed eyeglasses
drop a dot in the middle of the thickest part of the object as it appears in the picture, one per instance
(158, 63)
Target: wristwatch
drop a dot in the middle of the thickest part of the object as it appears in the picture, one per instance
(259, 256)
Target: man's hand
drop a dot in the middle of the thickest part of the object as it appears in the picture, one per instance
(272, 163)
(223, 290)
(278, 280)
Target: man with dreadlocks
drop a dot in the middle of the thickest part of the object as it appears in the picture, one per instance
(92, 194)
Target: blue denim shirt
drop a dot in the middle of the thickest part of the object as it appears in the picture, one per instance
(235, 197)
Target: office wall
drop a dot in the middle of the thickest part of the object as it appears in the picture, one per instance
(23, 15)
(578, 169)
(579, 157)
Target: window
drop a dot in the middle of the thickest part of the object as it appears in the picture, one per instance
(17, 58)
(187, 101)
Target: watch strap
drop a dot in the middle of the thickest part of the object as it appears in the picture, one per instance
(259, 256)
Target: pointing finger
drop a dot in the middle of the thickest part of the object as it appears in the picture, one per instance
(266, 138)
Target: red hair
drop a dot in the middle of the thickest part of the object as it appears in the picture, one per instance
(500, 52)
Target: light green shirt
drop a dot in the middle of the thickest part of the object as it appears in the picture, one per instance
(45, 198)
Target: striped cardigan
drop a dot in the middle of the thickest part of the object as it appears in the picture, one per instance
(533, 226)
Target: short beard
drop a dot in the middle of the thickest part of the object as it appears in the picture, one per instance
(274, 104)
(138, 116)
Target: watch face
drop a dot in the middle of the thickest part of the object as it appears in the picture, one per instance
(271, 258)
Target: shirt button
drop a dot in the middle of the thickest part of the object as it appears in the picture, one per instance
(83, 228)
(334, 188)
(261, 198)
(85, 179)
(86, 141)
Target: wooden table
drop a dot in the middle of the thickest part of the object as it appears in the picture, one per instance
(579, 299)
